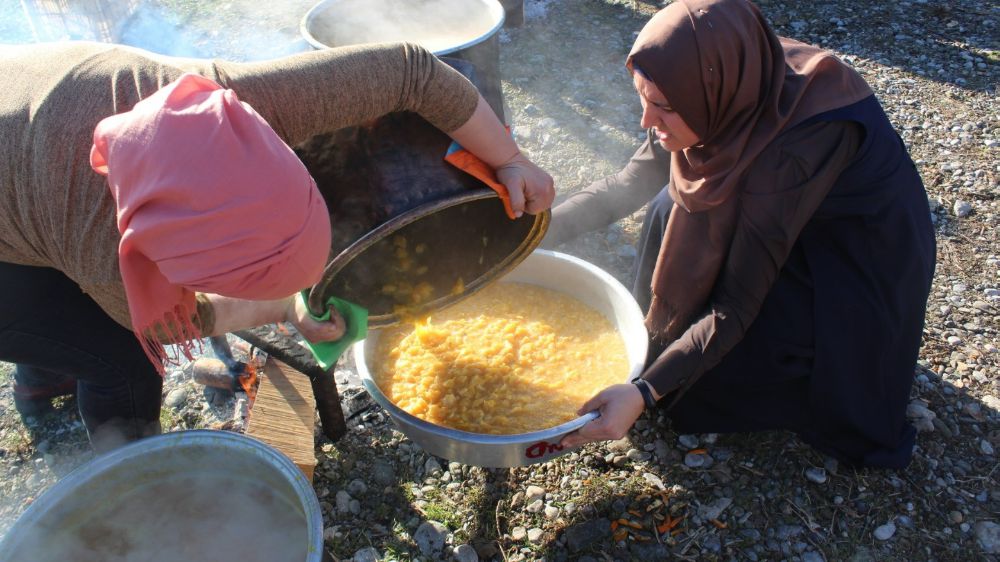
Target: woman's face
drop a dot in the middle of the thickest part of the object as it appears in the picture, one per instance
(657, 113)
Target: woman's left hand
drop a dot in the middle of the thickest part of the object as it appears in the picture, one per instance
(297, 312)
(530, 187)
(620, 405)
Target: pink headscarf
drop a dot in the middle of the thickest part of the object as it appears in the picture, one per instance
(209, 199)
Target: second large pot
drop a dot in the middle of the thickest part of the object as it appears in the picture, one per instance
(462, 29)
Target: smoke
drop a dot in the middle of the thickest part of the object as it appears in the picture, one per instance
(130, 516)
(435, 24)
(240, 30)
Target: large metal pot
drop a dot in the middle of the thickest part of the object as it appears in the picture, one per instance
(551, 270)
(74, 520)
(387, 181)
(462, 29)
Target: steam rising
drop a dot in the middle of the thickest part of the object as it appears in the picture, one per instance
(437, 25)
(187, 517)
(239, 30)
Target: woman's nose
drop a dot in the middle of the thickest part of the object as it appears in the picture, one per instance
(647, 119)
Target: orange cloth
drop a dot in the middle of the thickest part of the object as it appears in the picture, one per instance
(472, 165)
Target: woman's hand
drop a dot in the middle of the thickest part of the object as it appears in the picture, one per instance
(530, 187)
(620, 405)
(297, 312)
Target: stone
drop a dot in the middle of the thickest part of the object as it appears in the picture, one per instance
(988, 536)
(713, 510)
(816, 474)
(357, 487)
(465, 553)
(885, 532)
(535, 506)
(654, 480)
(578, 537)
(430, 537)
(343, 501)
(176, 398)
(551, 512)
(518, 533)
(383, 473)
(432, 467)
(962, 209)
(687, 441)
(535, 535)
(986, 448)
(367, 554)
(636, 455)
(533, 493)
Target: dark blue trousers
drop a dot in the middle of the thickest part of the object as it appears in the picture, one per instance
(51, 330)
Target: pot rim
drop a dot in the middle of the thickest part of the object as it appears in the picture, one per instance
(494, 7)
(83, 474)
(317, 297)
(403, 416)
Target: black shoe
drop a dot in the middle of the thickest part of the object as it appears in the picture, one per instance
(33, 395)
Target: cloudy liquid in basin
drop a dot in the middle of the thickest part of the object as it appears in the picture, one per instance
(437, 25)
(183, 518)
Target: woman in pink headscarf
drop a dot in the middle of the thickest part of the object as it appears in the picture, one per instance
(194, 217)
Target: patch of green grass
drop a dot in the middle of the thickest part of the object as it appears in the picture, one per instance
(18, 442)
(442, 510)
(6, 373)
(168, 418)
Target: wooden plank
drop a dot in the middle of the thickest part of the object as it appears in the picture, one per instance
(283, 414)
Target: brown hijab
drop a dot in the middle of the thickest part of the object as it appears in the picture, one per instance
(737, 85)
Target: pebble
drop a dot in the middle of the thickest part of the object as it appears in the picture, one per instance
(430, 537)
(535, 506)
(532, 493)
(343, 502)
(885, 532)
(816, 474)
(383, 473)
(636, 455)
(176, 397)
(986, 447)
(962, 209)
(714, 509)
(465, 553)
(535, 535)
(988, 536)
(518, 533)
(432, 467)
(695, 460)
(687, 442)
(367, 554)
(551, 512)
(357, 487)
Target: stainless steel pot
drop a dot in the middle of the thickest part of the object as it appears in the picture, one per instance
(375, 21)
(551, 270)
(65, 522)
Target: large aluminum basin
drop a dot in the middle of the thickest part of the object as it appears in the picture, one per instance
(552, 270)
(464, 29)
(187, 495)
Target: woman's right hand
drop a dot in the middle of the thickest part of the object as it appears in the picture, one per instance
(620, 405)
(297, 312)
(530, 188)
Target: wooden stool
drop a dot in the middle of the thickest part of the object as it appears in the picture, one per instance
(283, 414)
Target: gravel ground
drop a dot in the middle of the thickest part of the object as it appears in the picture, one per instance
(767, 496)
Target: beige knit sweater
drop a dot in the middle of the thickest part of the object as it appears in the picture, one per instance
(55, 211)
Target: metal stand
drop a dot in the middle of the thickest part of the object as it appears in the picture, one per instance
(287, 350)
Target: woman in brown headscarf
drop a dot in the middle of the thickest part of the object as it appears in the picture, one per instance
(786, 266)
